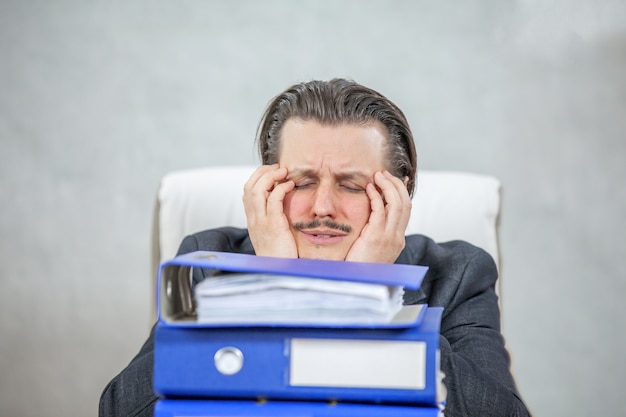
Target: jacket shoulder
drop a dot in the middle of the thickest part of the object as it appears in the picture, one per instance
(455, 269)
(223, 239)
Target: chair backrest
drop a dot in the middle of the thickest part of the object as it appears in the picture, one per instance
(446, 206)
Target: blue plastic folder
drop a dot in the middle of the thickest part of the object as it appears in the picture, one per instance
(220, 408)
(389, 365)
(175, 303)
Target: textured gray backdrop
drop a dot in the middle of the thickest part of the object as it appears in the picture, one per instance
(98, 100)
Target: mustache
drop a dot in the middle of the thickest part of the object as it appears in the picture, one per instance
(327, 223)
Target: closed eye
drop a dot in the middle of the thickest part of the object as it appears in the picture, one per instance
(303, 185)
(353, 188)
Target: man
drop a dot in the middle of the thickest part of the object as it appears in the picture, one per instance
(336, 182)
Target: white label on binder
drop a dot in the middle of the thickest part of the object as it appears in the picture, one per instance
(348, 363)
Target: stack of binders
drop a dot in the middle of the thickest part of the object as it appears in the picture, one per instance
(230, 369)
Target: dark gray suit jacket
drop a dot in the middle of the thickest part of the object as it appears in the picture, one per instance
(461, 278)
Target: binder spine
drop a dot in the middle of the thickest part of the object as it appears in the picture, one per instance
(225, 408)
(271, 363)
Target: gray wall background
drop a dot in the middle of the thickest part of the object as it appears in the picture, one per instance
(98, 100)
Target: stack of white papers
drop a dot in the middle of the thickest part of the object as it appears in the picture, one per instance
(258, 298)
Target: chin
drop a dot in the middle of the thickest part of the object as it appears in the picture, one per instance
(328, 255)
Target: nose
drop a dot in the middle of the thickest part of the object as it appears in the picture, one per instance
(324, 201)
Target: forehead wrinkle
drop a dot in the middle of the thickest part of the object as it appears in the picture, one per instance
(302, 172)
(311, 149)
(353, 175)
(341, 175)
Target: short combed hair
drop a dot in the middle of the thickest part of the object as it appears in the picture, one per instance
(335, 102)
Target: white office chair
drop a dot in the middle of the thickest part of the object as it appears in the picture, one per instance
(446, 206)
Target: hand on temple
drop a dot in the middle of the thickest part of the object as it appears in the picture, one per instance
(268, 226)
(382, 238)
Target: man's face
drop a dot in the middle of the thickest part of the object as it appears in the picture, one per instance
(330, 165)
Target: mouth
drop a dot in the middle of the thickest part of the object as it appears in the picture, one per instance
(323, 237)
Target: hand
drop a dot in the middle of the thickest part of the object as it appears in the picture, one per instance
(382, 238)
(263, 196)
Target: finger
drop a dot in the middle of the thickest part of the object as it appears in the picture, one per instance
(377, 215)
(400, 185)
(398, 202)
(259, 186)
(275, 201)
(387, 184)
(250, 193)
(254, 177)
(393, 188)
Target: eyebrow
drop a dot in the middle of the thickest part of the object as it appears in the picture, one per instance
(346, 175)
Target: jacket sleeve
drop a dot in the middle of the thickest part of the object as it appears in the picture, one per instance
(473, 353)
(130, 393)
